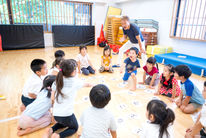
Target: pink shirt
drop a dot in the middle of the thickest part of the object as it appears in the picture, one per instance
(152, 72)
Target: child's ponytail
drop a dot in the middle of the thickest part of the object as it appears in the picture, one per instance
(163, 116)
(67, 67)
(59, 84)
(170, 117)
(47, 83)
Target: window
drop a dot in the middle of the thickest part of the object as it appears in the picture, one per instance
(189, 20)
(46, 12)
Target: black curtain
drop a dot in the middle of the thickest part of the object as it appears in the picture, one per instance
(67, 36)
(22, 36)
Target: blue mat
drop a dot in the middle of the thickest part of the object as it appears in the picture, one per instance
(196, 64)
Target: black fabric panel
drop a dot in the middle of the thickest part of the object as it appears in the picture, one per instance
(22, 36)
(66, 36)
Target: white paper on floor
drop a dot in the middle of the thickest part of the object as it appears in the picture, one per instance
(155, 98)
(83, 79)
(139, 86)
(100, 77)
(136, 131)
(195, 116)
(85, 98)
(134, 116)
(122, 106)
(120, 120)
(136, 103)
(149, 91)
(121, 85)
(114, 79)
(132, 93)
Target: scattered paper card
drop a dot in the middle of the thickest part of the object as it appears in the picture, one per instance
(134, 116)
(132, 93)
(139, 86)
(136, 131)
(136, 103)
(85, 98)
(155, 98)
(149, 91)
(122, 106)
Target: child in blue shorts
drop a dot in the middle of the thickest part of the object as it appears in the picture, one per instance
(131, 64)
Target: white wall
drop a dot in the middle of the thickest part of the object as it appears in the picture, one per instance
(99, 15)
(161, 10)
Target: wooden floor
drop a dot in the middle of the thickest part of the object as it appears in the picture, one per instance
(15, 70)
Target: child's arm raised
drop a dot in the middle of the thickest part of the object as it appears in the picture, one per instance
(114, 134)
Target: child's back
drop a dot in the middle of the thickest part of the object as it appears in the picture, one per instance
(96, 122)
(152, 131)
(64, 106)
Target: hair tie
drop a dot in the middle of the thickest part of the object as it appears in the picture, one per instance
(60, 69)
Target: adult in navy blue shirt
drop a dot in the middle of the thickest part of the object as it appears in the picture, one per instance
(135, 40)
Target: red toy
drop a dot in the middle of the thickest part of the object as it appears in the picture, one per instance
(101, 38)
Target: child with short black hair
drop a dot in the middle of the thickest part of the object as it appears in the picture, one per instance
(34, 84)
(55, 66)
(152, 71)
(168, 85)
(84, 63)
(65, 88)
(106, 63)
(160, 123)
(190, 99)
(37, 115)
(96, 120)
(131, 64)
(59, 54)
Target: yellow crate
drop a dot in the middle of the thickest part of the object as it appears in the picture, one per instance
(157, 49)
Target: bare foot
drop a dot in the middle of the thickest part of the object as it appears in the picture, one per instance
(19, 128)
(55, 135)
(48, 133)
(23, 131)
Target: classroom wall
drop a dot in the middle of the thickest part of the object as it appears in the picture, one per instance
(161, 10)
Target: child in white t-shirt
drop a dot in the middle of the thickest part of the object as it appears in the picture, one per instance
(65, 88)
(160, 121)
(84, 63)
(37, 115)
(97, 122)
(34, 84)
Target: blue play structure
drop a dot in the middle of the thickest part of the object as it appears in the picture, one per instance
(197, 65)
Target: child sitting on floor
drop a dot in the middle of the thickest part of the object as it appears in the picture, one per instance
(152, 71)
(84, 63)
(190, 99)
(34, 84)
(198, 129)
(59, 54)
(106, 63)
(55, 67)
(160, 123)
(96, 120)
(37, 115)
(131, 64)
(168, 85)
(65, 89)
